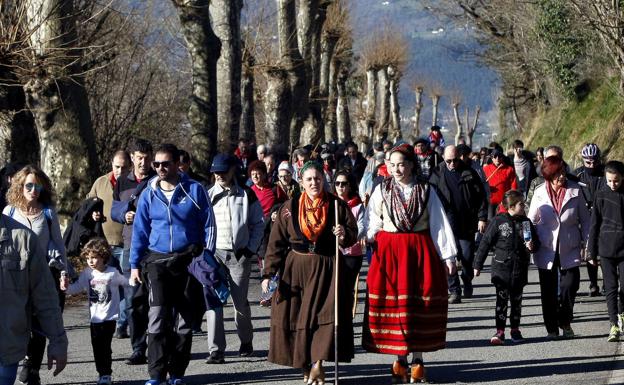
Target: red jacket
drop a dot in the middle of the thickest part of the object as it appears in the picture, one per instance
(501, 180)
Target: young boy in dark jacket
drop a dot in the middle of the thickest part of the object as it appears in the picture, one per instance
(513, 238)
(606, 239)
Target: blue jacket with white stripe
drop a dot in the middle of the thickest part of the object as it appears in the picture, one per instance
(168, 227)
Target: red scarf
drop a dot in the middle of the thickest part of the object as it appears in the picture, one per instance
(556, 197)
(354, 201)
(113, 181)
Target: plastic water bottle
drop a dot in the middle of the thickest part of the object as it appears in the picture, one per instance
(273, 283)
(526, 231)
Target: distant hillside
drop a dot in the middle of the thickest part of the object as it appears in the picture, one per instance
(599, 118)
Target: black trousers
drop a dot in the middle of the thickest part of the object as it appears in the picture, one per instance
(504, 297)
(466, 252)
(558, 307)
(169, 346)
(613, 276)
(137, 310)
(37, 341)
(592, 273)
(101, 338)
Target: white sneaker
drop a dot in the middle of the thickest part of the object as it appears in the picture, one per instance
(105, 380)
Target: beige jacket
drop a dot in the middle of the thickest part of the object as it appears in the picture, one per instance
(103, 189)
(26, 287)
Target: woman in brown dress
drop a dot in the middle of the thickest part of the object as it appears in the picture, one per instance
(301, 250)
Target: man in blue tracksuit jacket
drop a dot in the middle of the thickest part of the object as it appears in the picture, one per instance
(174, 223)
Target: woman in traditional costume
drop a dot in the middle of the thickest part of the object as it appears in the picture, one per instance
(301, 250)
(414, 250)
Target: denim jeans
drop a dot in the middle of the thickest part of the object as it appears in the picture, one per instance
(8, 374)
(122, 321)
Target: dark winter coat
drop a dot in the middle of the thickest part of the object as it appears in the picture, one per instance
(357, 170)
(591, 181)
(606, 232)
(83, 227)
(510, 264)
(473, 193)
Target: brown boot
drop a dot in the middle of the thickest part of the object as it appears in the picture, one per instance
(399, 372)
(418, 373)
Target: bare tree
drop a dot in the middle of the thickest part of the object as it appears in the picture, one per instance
(455, 102)
(470, 129)
(225, 15)
(18, 137)
(435, 94)
(292, 61)
(56, 97)
(371, 101)
(606, 18)
(418, 91)
(383, 102)
(277, 109)
(248, 122)
(204, 49)
(343, 118)
(395, 118)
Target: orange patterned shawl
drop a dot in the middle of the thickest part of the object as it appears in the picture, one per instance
(313, 215)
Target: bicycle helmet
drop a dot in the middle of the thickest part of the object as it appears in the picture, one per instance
(590, 150)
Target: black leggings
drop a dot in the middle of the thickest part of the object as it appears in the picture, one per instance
(612, 276)
(503, 297)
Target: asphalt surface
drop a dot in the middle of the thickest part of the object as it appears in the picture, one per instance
(468, 358)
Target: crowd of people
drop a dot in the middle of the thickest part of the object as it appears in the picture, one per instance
(158, 246)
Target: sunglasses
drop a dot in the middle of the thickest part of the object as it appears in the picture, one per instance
(449, 161)
(38, 187)
(164, 164)
(341, 184)
(284, 176)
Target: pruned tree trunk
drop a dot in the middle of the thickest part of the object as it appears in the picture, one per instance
(293, 62)
(204, 49)
(331, 130)
(312, 15)
(225, 15)
(395, 116)
(327, 91)
(384, 103)
(458, 123)
(470, 131)
(18, 136)
(371, 101)
(58, 101)
(248, 116)
(417, 110)
(435, 100)
(277, 109)
(342, 108)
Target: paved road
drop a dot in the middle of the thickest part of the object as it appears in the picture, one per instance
(468, 359)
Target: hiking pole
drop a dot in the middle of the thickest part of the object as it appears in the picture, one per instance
(336, 301)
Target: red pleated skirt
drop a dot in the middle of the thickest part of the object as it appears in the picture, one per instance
(407, 300)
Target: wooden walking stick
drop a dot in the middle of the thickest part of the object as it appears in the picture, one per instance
(336, 301)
